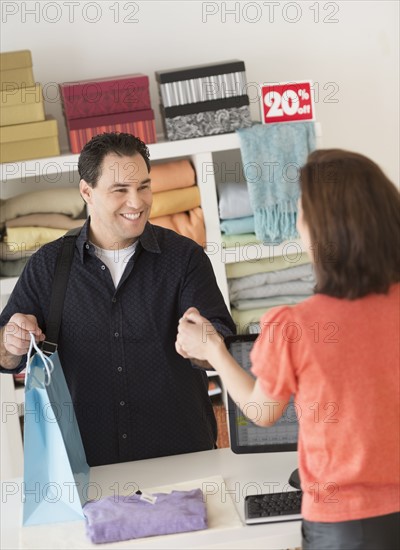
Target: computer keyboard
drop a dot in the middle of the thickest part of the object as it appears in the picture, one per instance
(273, 507)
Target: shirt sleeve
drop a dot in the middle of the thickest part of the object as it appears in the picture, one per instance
(24, 299)
(200, 290)
(272, 354)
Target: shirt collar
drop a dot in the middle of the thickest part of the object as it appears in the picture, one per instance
(147, 239)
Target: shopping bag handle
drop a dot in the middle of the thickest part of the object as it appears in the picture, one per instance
(47, 362)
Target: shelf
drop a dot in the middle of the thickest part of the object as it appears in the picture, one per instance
(158, 151)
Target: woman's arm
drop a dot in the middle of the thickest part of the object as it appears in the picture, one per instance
(198, 339)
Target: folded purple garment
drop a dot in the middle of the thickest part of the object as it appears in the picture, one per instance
(117, 518)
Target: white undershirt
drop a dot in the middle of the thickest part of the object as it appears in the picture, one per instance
(116, 260)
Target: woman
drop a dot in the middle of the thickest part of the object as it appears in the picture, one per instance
(337, 353)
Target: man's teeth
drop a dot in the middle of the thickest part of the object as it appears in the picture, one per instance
(131, 216)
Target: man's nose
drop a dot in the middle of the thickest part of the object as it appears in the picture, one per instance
(133, 199)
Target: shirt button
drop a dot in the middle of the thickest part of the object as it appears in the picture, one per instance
(119, 369)
(116, 334)
(124, 436)
(122, 403)
(103, 267)
(87, 246)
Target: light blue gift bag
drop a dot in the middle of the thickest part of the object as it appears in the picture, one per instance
(56, 474)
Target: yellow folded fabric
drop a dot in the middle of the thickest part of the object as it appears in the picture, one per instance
(189, 224)
(65, 200)
(172, 175)
(244, 318)
(174, 201)
(30, 238)
(265, 265)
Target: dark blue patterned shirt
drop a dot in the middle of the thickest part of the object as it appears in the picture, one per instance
(134, 396)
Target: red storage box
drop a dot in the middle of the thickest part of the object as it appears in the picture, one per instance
(139, 123)
(96, 97)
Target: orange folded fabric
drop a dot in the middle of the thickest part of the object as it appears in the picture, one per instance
(189, 224)
(172, 175)
(174, 201)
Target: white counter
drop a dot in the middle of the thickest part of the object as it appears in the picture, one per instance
(242, 475)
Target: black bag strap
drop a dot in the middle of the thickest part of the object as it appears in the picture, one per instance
(61, 275)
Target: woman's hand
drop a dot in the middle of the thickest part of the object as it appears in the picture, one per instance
(196, 338)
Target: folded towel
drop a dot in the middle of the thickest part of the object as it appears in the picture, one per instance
(272, 155)
(56, 221)
(266, 303)
(189, 224)
(265, 265)
(274, 290)
(30, 238)
(298, 273)
(12, 269)
(174, 201)
(65, 200)
(236, 240)
(244, 318)
(118, 518)
(234, 200)
(172, 175)
(238, 226)
(11, 252)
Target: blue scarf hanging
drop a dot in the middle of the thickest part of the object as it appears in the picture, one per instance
(272, 156)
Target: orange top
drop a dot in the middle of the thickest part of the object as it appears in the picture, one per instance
(340, 359)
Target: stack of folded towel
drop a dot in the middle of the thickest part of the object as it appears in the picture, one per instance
(236, 214)
(32, 219)
(255, 287)
(176, 200)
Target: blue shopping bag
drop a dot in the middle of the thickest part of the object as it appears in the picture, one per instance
(56, 474)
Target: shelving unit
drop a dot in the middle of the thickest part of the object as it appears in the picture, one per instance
(33, 175)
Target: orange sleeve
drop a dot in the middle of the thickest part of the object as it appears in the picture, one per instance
(272, 354)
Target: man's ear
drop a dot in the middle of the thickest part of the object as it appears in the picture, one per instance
(86, 191)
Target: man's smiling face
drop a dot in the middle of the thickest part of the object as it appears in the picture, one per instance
(120, 202)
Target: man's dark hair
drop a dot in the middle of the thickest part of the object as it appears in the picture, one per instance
(93, 153)
(352, 211)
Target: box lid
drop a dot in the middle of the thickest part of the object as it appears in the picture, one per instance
(114, 94)
(32, 130)
(15, 60)
(113, 118)
(90, 88)
(204, 106)
(26, 95)
(200, 71)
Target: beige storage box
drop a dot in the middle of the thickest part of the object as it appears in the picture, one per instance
(16, 70)
(29, 141)
(21, 105)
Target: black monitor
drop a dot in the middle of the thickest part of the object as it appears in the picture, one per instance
(245, 436)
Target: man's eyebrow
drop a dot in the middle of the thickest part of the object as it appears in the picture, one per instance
(125, 184)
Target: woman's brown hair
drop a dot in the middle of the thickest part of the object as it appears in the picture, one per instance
(352, 211)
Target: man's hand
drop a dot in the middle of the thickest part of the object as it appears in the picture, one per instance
(15, 338)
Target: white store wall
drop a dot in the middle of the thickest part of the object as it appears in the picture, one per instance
(349, 49)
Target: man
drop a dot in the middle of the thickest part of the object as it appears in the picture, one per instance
(130, 282)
